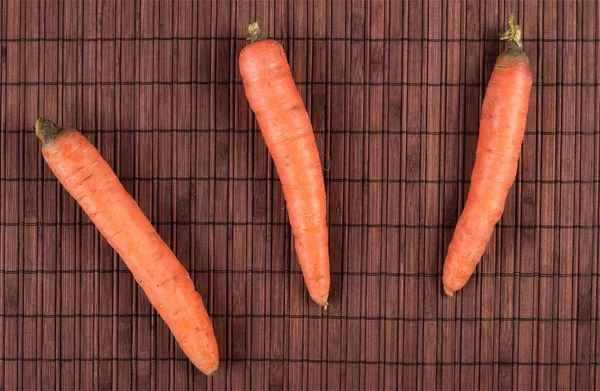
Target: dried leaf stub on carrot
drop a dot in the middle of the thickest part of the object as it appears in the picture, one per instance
(288, 133)
(501, 133)
(89, 179)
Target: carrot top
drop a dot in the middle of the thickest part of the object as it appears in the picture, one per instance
(513, 35)
(46, 130)
(254, 33)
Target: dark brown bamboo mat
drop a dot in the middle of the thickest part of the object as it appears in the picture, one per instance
(394, 90)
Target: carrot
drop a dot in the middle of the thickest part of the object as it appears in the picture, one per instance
(501, 133)
(288, 133)
(90, 180)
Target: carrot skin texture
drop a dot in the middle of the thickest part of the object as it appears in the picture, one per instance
(89, 179)
(289, 136)
(501, 133)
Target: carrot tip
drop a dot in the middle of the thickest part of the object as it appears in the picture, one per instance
(448, 293)
(208, 370)
(323, 302)
(254, 33)
(46, 130)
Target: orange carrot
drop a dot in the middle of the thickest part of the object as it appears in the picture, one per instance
(90, 180)
(501, 133)
(289, 136)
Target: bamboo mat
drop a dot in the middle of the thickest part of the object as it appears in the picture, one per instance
(394, 90)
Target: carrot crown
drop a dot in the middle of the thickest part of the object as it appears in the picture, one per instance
(513, 35)
(46, 130)
(254, 33)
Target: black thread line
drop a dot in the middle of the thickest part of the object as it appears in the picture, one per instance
(290, 39)
(299, 273)
(285, 224)
(155, 315)
(328, 180)
(301, 360)
(332, 131)
(43, 83)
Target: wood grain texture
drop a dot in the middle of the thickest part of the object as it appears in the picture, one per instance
(394, 90)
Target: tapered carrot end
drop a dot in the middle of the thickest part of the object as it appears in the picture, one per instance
(254, 33)
(323, 301)
(211, 371)
(447, 292)
(208, 366)
(46, 130)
